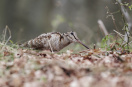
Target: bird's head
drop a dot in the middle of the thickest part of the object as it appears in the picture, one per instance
(72, 36)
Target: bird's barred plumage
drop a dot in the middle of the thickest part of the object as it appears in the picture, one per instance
(53, 41)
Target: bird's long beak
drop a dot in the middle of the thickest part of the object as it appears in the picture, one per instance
(82, 44)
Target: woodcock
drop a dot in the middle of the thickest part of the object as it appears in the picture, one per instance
(54, 41)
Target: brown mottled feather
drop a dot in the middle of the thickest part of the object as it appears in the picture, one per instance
(57, 41)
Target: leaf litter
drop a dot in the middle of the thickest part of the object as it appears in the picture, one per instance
(89, 68)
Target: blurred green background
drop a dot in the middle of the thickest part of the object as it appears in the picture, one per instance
(30, 18)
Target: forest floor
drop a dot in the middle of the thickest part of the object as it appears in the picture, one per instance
(88, 68)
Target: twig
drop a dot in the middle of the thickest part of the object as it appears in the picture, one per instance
(125, 15)
(111, 15)
(121, 35)
(9, 34)
(4, 36)
(94, 47)
(102, 27)
(127, 20)
(128, 44)
(118, 58)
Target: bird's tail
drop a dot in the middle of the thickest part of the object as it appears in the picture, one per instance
(24, 44)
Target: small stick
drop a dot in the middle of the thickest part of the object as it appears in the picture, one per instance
(5, 31)
(121, 35)
(9, 34)
(102, 27)
(94, 47)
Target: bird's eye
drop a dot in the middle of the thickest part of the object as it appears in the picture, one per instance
(72, 33)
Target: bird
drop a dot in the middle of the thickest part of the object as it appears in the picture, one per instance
(53, 41)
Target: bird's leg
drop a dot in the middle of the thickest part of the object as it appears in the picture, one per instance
(50, 46)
